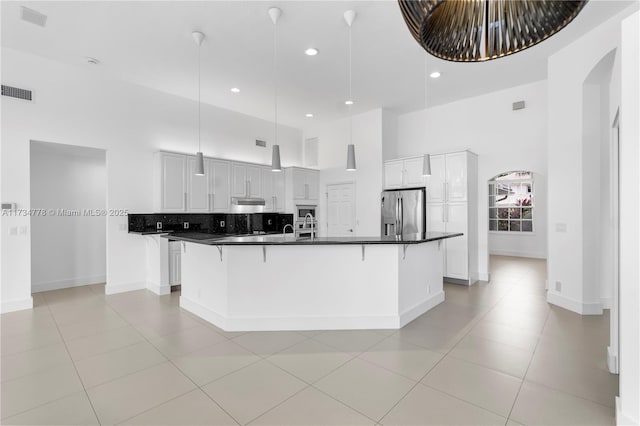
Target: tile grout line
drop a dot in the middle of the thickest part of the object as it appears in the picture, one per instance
(515, 400)
(476, 321)
(74, 364)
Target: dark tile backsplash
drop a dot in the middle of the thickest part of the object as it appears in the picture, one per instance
(212, 223)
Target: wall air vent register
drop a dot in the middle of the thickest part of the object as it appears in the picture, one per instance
(15, 92)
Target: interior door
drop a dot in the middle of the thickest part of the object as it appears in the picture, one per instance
(341, 210)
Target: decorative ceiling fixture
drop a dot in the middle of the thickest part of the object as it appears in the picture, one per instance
(349, 17)
(275, 13)
(481, 30)
(198, 37)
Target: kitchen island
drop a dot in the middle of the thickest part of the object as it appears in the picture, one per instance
(277, 282)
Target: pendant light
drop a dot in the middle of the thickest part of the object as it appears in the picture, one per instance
(198, 37)
(481, 30)
(275, 13)
(426, 160)
(349, 17)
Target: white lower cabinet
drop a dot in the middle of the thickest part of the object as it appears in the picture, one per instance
(174, 263)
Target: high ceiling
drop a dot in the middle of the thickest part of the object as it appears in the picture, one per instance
(150, 44)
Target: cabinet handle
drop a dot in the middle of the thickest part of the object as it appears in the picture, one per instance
(186, 206)
(275, 203)
(443, 207)
(446, 210)
(404, 177)
(306, 191)
(446, 191)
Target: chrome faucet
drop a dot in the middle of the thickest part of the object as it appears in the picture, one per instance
(307, 216)
(284, 230)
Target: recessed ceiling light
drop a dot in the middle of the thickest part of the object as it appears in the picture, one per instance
(312, 51)
(235, 90)
(308, 115)
(434, 74)
(92, 61)
(349, 102)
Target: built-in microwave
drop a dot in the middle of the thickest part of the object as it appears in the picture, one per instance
(303, 210)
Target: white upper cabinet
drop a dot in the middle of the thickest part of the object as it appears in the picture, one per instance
(219, 185)
(173, 184)
(456, 177)
(238, 180)
(394, 174)
(246, 180)
(413, 172)
(254, 179)
(273, 190)
(403, 173)
(197, 188)
(436, 182)
(305, 184)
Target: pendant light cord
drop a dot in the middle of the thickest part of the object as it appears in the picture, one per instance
(350, 92)
(275, 79)
(199, 91)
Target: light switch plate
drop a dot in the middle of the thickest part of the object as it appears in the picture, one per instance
(561, 227)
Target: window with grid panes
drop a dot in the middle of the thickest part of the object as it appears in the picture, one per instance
(511, 202)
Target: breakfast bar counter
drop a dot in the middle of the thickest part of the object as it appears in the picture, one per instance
(277, 282)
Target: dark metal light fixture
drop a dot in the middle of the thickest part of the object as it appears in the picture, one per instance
(480, 30)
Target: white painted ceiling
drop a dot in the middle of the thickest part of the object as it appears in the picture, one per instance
(150, 44)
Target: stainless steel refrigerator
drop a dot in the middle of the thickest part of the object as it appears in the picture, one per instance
(404, 212)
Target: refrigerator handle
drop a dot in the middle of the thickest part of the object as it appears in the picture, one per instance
(397, 224)
(401, 215)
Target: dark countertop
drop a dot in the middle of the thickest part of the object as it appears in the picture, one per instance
(279, 240)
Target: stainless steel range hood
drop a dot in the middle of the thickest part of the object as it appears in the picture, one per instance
(247, 205)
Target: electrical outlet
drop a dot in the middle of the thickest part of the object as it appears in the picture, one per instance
(158, 226)
(222, 223)
(558, 286)
(185, 225)
(23, 230)
(13, 230)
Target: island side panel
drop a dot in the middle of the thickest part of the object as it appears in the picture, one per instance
(204, 283)
(420, 269)
(312, 287)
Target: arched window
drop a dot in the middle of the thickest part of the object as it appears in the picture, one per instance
(511, 202)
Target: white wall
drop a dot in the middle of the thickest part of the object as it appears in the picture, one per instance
(575, 142)
(504, 140)
(67, 250)
(74, 105)
(628, 405)
(333, 139)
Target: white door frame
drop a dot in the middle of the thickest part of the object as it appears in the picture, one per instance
(355, 205)
(613, 360)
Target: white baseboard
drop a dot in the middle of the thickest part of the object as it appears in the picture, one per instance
(612, 360)
(16, 305)
(484, 276)
(73, 282)
(621, 418)
(574, 305)
(392, 322)
(420, 308)
(124, 287)
(158, 289)
(606, 303)
(513, 253)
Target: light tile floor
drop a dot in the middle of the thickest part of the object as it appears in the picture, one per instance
(491, 354)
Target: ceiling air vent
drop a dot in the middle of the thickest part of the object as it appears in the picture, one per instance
(261, 143)
(34, 17)
(14, 92)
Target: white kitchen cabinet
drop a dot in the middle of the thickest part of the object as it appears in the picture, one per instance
(175, 254)
(197, 189)
(171, 173)
(394, 174)
(273, 190)
(452, 206)
(246, 180)
(219, 175)
(436, 182)
(403, 173)
(305, 184)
